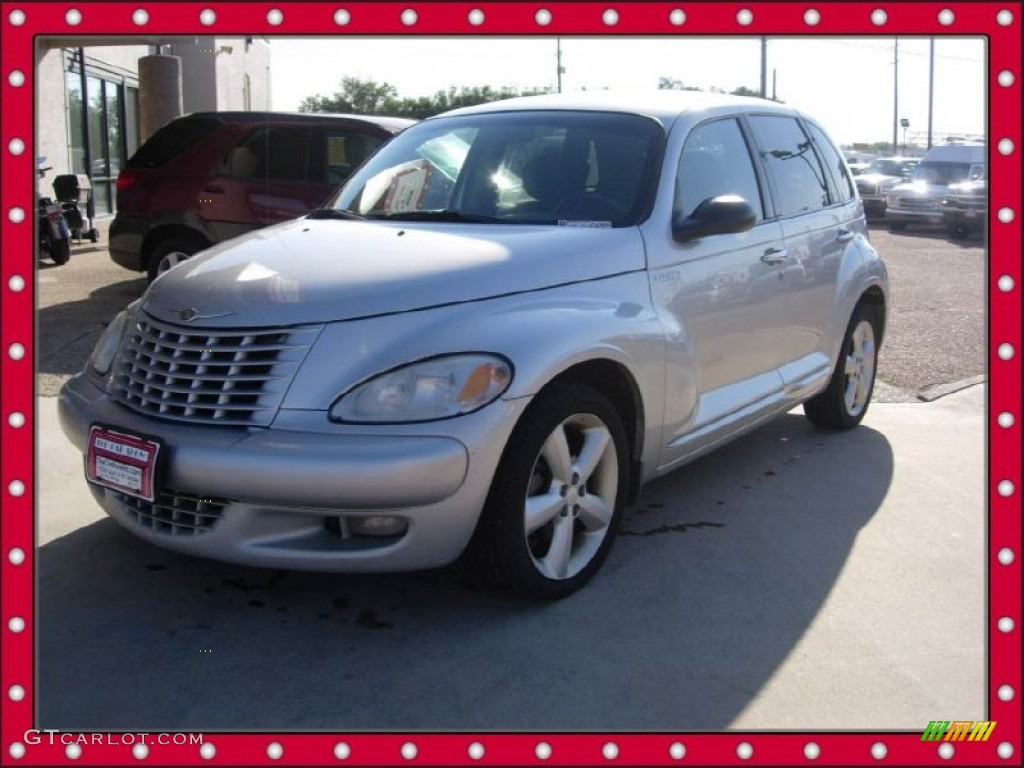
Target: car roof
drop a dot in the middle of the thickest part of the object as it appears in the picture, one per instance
(665, 105)
(393, 124)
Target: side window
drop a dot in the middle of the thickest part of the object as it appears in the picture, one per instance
(278, 154)
(339, 152)
(799, 179)
(834, 161)
(716, 161)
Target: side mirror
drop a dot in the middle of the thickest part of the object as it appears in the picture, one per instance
(722, 215)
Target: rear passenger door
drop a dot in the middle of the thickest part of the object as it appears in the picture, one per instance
(814, 199)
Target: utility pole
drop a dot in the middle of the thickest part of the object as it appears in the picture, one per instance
(764, 67)
(931, 86)
(558, 61)
(895, 95)
(775, 94)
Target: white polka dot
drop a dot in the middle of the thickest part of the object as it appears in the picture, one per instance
(207, 16)
(744, 751)
(17, 79)
(140, 16)
(610, 751)
(1005, 488)
(1005, 146)
(342, 17)
(1005, 78)
(811, 17)
(1005, 693)
(140, 751)
(409, 750)
(1005, 556)
(16, 488)
(16, 283)
(879, 750)
(1005, 283)
(16, 693)
(16, 624)
(946, 17)
(275, 17)
(1005, 750)
(1005, 624)
(16, 17)
(274, 750)
(610, 17)
(16, 351)
(476, 750)
(677, 751)
(73, 17)
(542, 17)
(543, 751)
(1004, 18)
(812, 751)
(16, 146)
(342, 751)
(16, 556)
(476, 17)
(72, 751)
(1005, 351)
(16, 419)
(878, 18)
(409, 17)
(677, 17)
(744, 16)
(946, 750)
(207, 751)
(1005, 215)
(16, 215)
(16, 750)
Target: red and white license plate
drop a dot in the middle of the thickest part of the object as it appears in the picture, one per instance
(122, 461)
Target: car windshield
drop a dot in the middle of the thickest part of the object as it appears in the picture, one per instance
(525, 167)
(944, 173)
(892, 167)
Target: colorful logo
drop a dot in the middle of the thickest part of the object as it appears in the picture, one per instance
(958, 730)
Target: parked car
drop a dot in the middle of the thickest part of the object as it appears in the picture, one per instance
(919, 201)
(211, 176)
(507, 320)
(879, 177)
(965, 208)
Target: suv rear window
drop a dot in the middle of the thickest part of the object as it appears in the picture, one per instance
(171, 140)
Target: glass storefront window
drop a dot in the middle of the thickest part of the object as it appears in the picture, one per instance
(76, 139)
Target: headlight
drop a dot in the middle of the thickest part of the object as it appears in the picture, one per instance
(103, 354)
(425, 391)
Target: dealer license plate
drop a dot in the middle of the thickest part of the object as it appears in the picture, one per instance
(122, 461)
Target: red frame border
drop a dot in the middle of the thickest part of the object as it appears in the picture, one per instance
(516, 18)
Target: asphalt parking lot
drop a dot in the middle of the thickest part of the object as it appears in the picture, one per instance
(794, 579)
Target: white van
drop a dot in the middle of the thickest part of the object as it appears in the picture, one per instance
(919, 201)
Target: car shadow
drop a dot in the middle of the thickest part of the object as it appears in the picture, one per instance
(67, 332)
(716, 575)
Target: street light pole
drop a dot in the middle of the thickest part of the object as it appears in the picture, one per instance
(895, 93)
(764, 66)
(931, 86)
(558, 61)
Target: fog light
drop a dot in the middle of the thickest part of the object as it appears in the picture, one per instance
(380, 525)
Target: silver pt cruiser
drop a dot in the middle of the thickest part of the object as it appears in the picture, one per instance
(507, 320)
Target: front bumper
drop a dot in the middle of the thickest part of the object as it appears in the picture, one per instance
(964, 218)
(914, 215)
(276, 490)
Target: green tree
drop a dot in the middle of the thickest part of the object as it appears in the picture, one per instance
(365, 97)
(671, 84)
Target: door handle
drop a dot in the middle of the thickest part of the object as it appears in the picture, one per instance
(774, 256)
(845, 236)
(214, 188)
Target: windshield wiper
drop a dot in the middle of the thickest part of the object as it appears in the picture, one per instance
(333, 213)
(440, 215)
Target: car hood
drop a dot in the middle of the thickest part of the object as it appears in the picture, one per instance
(311, 271)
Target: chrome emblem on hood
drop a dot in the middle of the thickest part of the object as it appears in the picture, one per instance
(190, 314)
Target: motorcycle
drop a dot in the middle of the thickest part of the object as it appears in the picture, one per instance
(54, 233)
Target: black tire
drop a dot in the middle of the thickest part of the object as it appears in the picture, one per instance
(176, 244)
(501, 550)
(897, 226)
(60, 251)
(832, 409)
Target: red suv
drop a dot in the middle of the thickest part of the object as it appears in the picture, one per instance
(211, 176)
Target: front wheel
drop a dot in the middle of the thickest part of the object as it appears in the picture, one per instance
(171, 252)
(556, 499)
(843, 404)
(60, 251)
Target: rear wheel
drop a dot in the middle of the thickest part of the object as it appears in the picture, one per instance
(170, 252)
(556, 499)
(60, 251)
(843, 404)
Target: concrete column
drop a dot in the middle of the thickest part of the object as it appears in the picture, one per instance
(159, 93)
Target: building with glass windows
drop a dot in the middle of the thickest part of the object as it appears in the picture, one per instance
(88, 97)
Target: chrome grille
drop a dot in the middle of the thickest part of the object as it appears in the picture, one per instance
(173, 513)
(917, 202)
(222, 376)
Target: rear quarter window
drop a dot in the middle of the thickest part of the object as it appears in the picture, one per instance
(172, 140)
